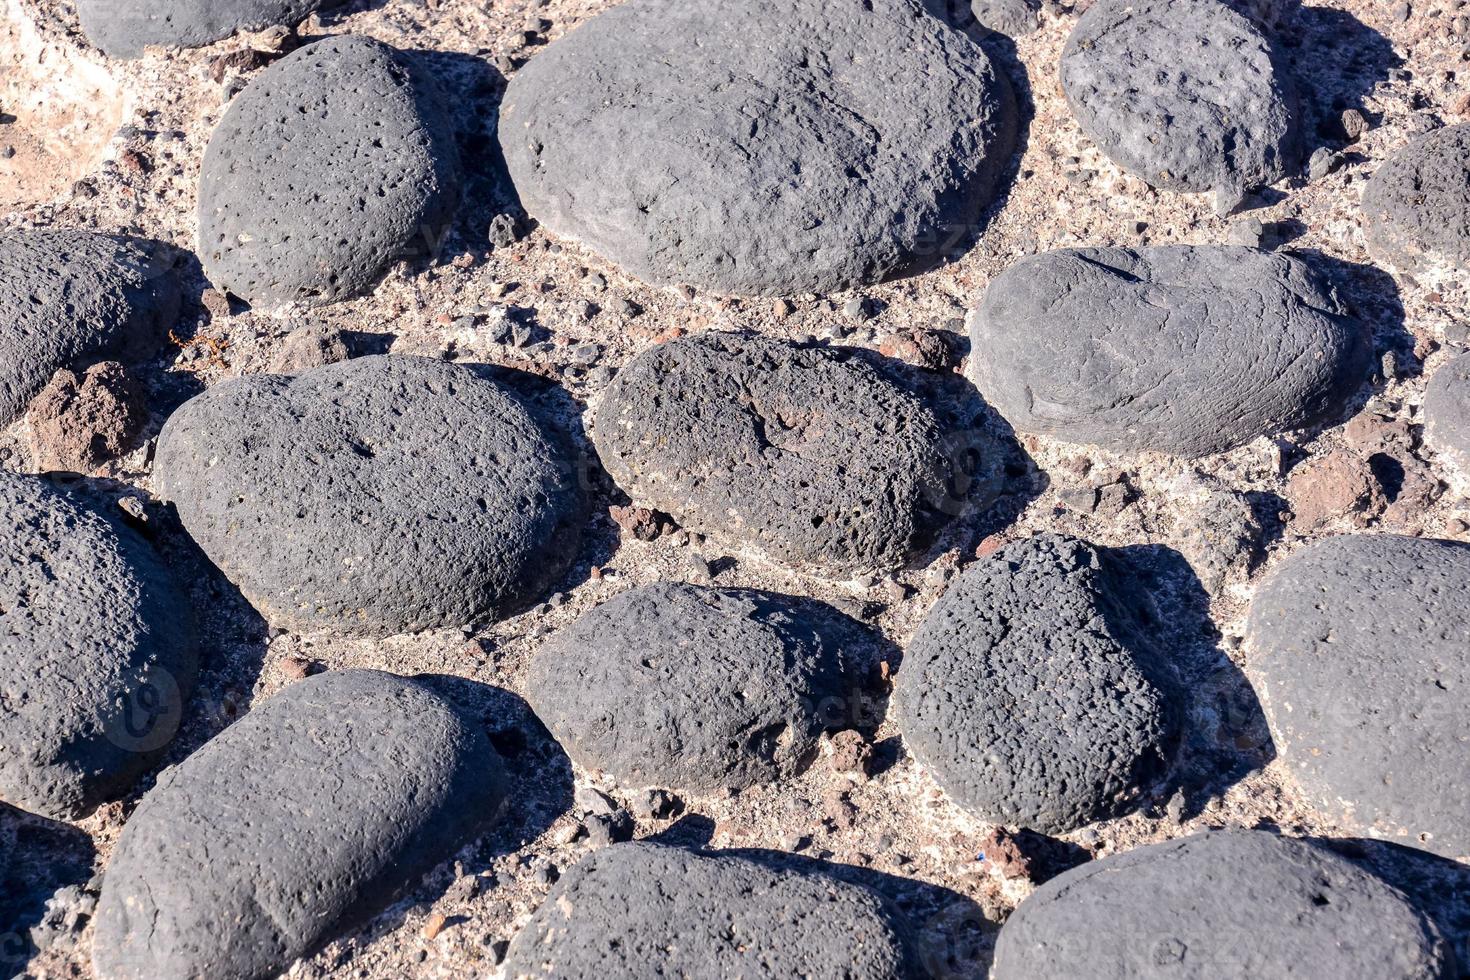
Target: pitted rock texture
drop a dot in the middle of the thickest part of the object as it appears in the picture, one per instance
(1362, 643)
(71, 297)
(1183, 94)
(309, 814)
(805, 454)
(335, 162)
(379, 495)
(122, 28)
(773, 147)
(1447, 410)
(1033, 691)
(641, 909)
(1180, 349)
(695, 688)
(1232, 903)
(97, 652)
(1012, 17)
(1416, 206)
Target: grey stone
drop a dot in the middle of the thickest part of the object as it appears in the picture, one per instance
(68, 298)
(772, 148)
(1033, 690)
(1183, 94)
(337, 161)
(1188, 350)
(121, 28)
(1015, 18)
(696, 689)
(1362, 644)
(805, 454)
(642, 909)
(1416, 215)
(1230, 903)
(379, 495)
(1447, 410)
(97, 652)
(1270, 14)
(306, 816)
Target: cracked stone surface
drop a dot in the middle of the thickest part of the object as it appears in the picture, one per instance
(695, 688)
(97, 651)
(1187, 350)
(122, 28)
(312, 812)
(777, 147)
(1034, 691)
(71, 297)
(1362, 644)
(379, 495)
(1231, 903)
(315, 215)
(1416, 206)
(798, 452)
(643, 909)
(1184, 94)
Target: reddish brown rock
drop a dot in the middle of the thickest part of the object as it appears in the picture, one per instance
(79, 422)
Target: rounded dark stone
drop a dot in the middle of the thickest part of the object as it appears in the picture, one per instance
(642, 909)
(1184, 94)
(1015, 18)
(68, 298)
(805, 454)
(1180, 349)
(694, 688)
(1033, 691)
(378, 495)
(1447, 410)
(334, 163)
(97, 652)
(774, 147)
(1416, 213)
(312, 812)
(1230, 903)
(1362, 644)
(122, 28)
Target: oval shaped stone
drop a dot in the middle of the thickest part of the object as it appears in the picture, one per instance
(1180, 349)
(1183, 94)
(694, 688)
(309, 814)
(1416, 217)
(1230, 903)
(68, 298)
(335, 162)
(1033, 691)
(643, 909)
(97, 652)
(774, 147)
(804, 454)
(377, 495)
(1362, 644)
(122, 28)
(1447, 410)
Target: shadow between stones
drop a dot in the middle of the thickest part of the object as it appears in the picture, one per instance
(1337, 61)
(38, 858)
(1222, 730)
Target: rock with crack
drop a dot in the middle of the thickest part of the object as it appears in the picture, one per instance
(123, 28)
(642, 909)
(1362, 643)
(378, 495)
(807, 455)
(1184, 94)
(1416, 214)
(696, 689)
(1034, 690)
(97, 652)
(1447, 411)
(1231, 903)
(335, 162)
(308, 815)
(769, 148)
(1179, 349)
(68, 298)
